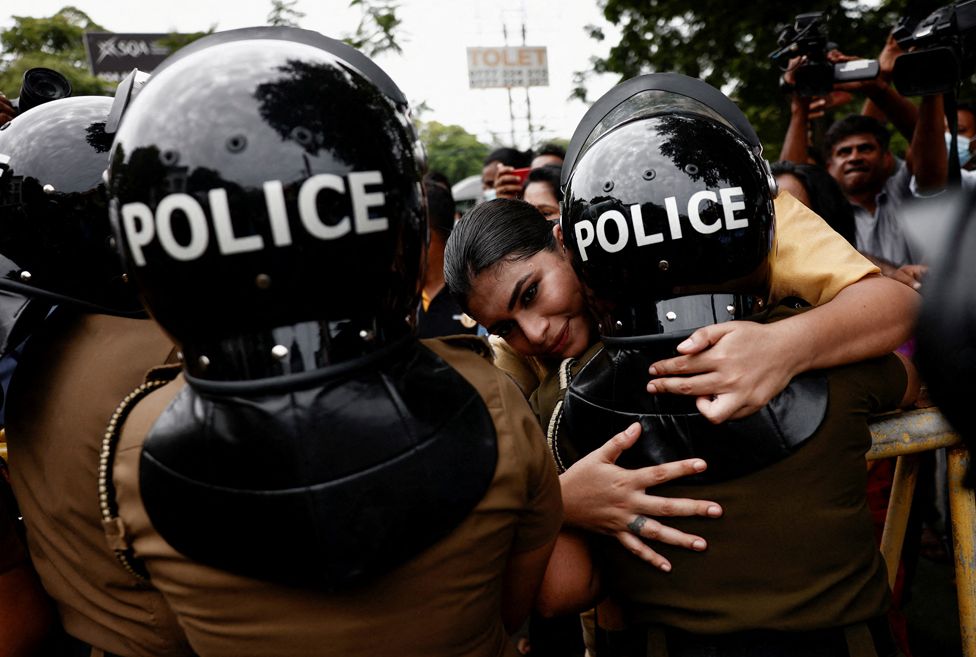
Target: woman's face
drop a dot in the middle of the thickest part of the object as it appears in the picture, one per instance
(536, 304)
(540, 195)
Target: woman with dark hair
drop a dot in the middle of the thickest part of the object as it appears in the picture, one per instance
(508, 245)
(816, 189)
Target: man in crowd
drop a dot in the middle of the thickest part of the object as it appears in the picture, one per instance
(877, 184)
(549, 155)
(439, 314)
(496, 176)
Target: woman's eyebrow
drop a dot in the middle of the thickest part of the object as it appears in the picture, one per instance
(517, 291)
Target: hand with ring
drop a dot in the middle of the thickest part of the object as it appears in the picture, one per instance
(600, 496)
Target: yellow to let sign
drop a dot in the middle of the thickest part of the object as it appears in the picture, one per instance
(515, 66)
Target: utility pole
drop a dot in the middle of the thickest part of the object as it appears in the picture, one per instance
(511, 112)
(528, 102)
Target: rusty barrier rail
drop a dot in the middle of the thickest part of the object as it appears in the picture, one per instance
(904, 436)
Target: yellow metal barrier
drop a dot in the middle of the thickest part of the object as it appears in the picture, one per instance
(905, 435)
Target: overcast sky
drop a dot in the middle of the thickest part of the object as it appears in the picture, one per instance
(434, 35)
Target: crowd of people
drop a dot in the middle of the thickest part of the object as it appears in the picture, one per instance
(269, 395)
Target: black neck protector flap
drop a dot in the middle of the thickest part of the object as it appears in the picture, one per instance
(608, 394)
(322, 486)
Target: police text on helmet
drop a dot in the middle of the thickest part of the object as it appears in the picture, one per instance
(731, 201)
(142, 226)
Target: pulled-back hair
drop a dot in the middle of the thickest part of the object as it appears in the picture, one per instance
(855, 124)
(502, 229)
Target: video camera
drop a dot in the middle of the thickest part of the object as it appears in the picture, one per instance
(816, 76)
(944, 50)
(41, 85)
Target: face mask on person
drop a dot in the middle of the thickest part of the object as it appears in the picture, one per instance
(962, 145)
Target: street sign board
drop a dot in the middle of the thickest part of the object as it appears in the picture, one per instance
(113, 55)
(508, 66)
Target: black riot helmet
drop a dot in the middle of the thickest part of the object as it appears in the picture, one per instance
(668, 203)
(264, 187)
(55, 238)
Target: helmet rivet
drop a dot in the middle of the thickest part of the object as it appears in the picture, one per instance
(25, 276)
(125, 278)
(731, 309)
(279, 351)
(263, 281)
(671, 315)
(203, 361)
(691, 169)
(618, 324)
(236, 143)
(649, 174)
(302, 135)
(664, 265)
(366, 335)
(170, 157)
(608, 185)
(48, 188)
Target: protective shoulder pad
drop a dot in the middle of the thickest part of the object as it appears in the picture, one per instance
(326, 486)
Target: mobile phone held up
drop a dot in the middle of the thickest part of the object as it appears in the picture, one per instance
(523, 174)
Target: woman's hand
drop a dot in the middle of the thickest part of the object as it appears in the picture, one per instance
(733, 368)
(600, 496)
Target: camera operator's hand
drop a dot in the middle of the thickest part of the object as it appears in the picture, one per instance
(883, 102)
(887, 57)
(506, 184)
(7, 111)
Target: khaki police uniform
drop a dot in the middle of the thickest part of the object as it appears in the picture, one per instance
(12, 552)
(444, 601)
(794, 551)
(73, 373)
(811, 262)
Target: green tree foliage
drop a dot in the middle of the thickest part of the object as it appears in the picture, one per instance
(55, 42)
(283, 13)
(376, 32)
(451, 150)
(728, 45)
